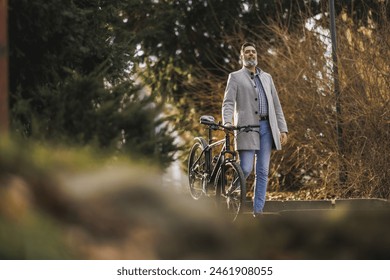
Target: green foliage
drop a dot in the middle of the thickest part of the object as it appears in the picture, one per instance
(35, 237)
(83, 112)
(60, 204)
(70, 63)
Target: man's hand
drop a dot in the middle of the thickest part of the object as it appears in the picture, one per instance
(228, 126)
(283, 138)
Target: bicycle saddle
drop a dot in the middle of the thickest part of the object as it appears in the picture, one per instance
(207, 120)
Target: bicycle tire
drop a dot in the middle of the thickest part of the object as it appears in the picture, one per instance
(196, 173)
(232, 195)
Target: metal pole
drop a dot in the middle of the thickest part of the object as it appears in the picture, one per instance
(4, 122)
(340, 143)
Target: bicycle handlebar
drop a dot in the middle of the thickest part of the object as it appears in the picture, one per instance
(209, 120)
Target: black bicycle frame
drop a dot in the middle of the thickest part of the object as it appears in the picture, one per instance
(221, 160)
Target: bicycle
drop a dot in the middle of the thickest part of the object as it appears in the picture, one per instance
(220, 175)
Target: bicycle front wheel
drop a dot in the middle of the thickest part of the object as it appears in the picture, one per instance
(196, 168)
(231, 189)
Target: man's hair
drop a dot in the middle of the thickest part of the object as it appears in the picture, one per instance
(246, 44)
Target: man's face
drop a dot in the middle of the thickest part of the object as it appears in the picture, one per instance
(249, 56)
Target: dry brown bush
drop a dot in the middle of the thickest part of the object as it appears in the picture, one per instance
(365, 84)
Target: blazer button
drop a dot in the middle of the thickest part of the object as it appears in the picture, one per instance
(256, 112)
(255, 99)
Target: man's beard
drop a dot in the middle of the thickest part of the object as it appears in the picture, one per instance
(250, 62)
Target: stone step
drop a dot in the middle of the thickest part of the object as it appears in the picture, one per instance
(279, 206)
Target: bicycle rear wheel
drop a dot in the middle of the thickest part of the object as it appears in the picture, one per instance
(197, 168)
(231, 195)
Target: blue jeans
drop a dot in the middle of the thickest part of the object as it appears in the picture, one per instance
(263, 157)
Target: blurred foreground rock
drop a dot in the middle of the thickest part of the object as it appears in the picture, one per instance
(64, 204)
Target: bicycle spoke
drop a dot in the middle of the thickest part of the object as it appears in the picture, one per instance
(196, 169)
(232, 189)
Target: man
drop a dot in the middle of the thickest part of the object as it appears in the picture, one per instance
(251, 99)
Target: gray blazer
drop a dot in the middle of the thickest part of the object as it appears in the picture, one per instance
(240, 108)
